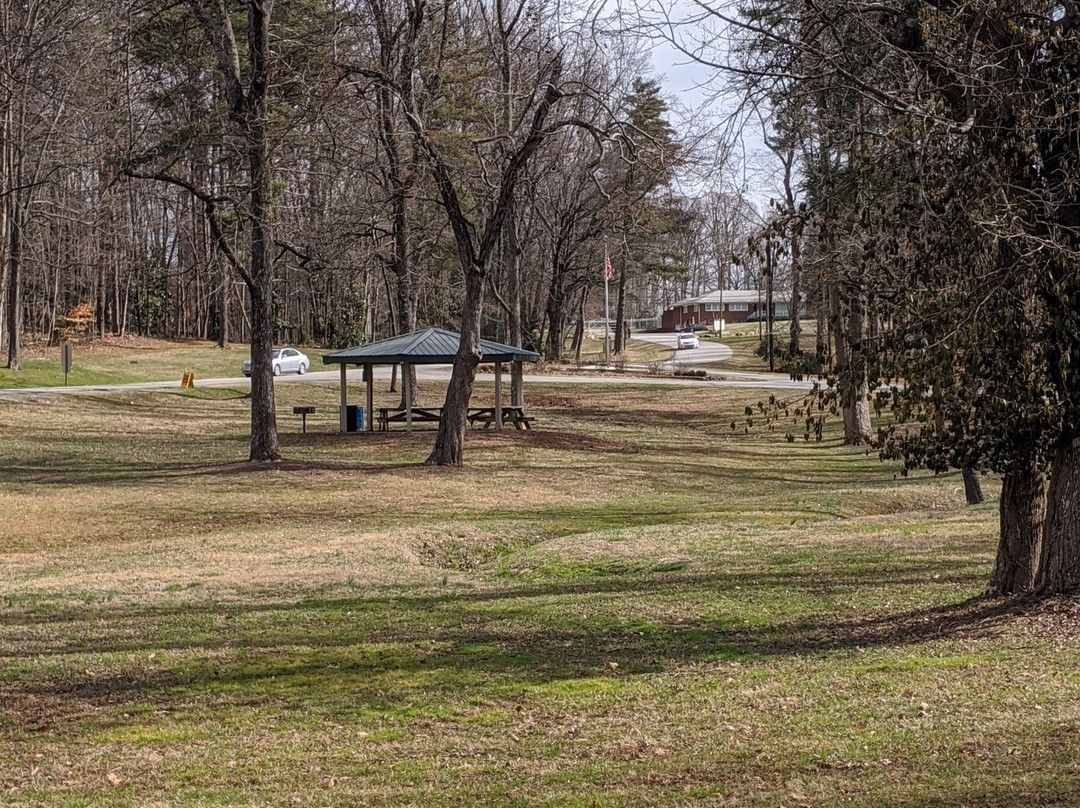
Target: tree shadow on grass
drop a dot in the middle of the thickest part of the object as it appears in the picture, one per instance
(426, 647)
(436, 665)
(76, 470)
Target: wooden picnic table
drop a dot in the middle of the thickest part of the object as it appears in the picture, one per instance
(475, 415)
(510, 415)
(395, 415)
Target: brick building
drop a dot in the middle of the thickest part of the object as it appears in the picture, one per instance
(733, 306)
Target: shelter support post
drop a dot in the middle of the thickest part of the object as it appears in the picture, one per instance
(369, 378)
(406, 376)
(343, 417)
(498, 396)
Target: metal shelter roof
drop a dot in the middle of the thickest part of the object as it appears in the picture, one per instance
(432, 346)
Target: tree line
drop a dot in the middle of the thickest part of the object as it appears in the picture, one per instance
(333, 172)
(125, 164)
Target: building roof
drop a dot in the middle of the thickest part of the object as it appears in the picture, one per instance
(432, 346)
(734, 296)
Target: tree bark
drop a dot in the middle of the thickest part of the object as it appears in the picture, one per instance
(794, 324)
(1022, 515)
(972, 486)
(13, 305)
(516, 334)
(264, 437)
(556, 314)
(1059, 568)
(854, 386)
(248, 108)
(222, 302)
(450, 439)
(821, 340)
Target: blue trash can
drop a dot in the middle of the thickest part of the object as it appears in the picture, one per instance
(354, 418)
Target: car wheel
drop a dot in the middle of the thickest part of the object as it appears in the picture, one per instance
(302, 369)
(277, 370)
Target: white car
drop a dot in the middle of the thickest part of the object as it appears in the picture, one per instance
(688, 340)
(283, 360)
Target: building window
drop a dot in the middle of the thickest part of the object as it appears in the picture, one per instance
(738, 307)
(712, 307)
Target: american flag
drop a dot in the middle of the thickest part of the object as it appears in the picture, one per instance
(609, 273)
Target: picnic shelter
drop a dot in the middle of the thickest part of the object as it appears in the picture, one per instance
(431, 346)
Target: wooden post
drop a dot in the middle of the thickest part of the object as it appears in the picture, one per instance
(498, 395)
(369, 377)
(343, 418)
(405, 368)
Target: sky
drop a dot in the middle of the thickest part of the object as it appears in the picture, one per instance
(696, 95)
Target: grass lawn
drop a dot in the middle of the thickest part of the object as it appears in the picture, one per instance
(630, 605)
(745, 338)
(119, 360)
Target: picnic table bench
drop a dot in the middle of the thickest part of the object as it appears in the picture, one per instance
(510, 415)
(394, 415)
(475, 416)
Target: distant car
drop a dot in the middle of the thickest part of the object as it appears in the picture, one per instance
(698, 327)
(283, 360)
(755, 316)
(688, 340)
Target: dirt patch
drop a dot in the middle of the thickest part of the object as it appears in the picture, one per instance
(1056, 620)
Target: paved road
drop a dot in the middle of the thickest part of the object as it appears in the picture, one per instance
(708, 353)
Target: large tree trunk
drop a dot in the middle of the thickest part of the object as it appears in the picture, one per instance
(854, 386)
(1059, 570)
(474, 253)
(264, 436)
(821, 340)
(556, 315)
(972, 486)
(794, 325)
(577, 341)
(13, 304)
(1022, 514)
(512, 265)
(450, 439)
